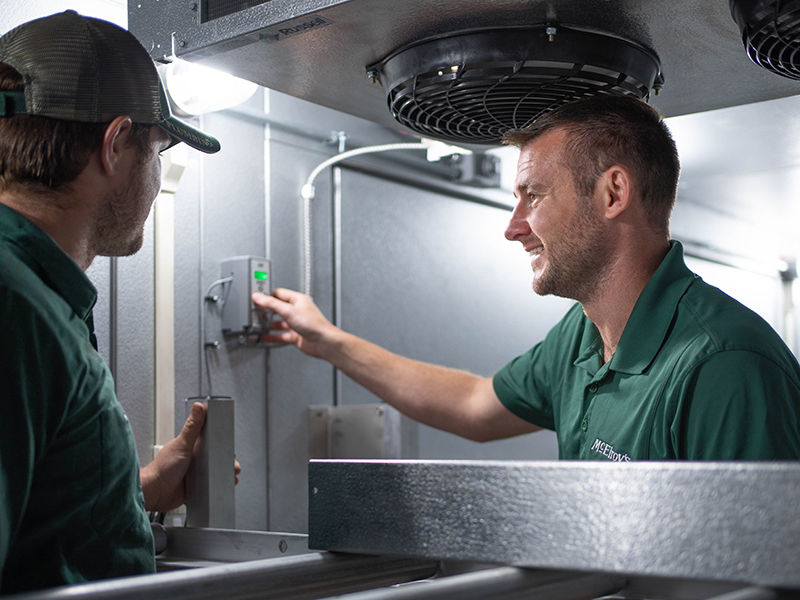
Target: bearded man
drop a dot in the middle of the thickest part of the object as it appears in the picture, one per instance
(83, 120)
(651, 363)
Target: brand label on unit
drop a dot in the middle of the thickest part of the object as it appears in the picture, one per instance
(288, 29)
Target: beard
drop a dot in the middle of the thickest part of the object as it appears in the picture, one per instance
(578, 260)
(119, 228)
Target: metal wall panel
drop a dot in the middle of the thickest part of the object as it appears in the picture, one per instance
(135, 376)
(298, 142)
(233, 224)
(188, 293)
(433, 278)
(295, 381)
(99, 273)
(133, 342)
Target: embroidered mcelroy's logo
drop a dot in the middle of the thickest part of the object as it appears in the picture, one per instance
(607, 450)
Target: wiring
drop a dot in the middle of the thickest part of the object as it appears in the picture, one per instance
(215, 344)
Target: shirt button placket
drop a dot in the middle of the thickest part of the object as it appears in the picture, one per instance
(593, 387)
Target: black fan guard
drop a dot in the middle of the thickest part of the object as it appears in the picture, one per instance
(472, 87)
(771, 33)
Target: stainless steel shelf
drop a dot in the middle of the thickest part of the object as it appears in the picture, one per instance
(188, 547)
(725, 522)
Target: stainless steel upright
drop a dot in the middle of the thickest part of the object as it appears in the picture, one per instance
(211, 481)
(725, 522)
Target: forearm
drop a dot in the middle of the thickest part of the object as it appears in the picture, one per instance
(447, 399)
(150, 488)
(437, 396)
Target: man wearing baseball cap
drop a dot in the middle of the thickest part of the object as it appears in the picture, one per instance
(83, 118)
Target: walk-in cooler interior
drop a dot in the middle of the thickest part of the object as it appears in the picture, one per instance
(410, 256)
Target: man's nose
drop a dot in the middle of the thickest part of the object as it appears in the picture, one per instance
(518, 224)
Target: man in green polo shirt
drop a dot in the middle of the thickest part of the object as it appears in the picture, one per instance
(82, 123)
(651, 363)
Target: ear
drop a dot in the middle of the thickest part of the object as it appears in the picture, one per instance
(115, 142)
(615, 189)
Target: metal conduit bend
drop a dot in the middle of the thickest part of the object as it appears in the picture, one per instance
(307, 193)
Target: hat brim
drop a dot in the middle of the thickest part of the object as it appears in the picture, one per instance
(180, 131)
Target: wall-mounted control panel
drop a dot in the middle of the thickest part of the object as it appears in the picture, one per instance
(249, 274)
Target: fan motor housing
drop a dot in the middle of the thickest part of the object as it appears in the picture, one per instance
(473, 87)
(770, 33)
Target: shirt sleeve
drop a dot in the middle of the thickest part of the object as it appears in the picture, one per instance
(532, 385)
(26, 417)
(521, 385)
(62, 428)
(738, 405)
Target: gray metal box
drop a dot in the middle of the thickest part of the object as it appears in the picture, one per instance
(249, 274)
(361, 431)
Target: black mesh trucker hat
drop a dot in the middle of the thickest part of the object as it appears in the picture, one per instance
(82, 69)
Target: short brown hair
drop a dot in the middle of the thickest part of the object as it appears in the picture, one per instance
(42, 154)
(604, 131)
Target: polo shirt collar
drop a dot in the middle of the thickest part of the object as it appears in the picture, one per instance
(653, 313)
(54, 266)
(590, 357)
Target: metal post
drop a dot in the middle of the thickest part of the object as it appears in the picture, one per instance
(210, 481)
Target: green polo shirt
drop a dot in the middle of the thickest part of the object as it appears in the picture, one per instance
(696, 376)
(71, 505)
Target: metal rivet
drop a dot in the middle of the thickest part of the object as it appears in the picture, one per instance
(373, 76)
(314, 491)
(283, 546)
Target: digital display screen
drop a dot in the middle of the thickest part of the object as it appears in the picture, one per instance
(260, 275)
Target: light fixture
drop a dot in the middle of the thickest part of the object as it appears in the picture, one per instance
(197, 89)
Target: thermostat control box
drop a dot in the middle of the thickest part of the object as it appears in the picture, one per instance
(249, 274)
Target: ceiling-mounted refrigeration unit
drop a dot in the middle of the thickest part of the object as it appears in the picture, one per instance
(472, 87)
(467, 70)
(771, 33)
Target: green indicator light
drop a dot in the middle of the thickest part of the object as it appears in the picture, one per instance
(260, 275)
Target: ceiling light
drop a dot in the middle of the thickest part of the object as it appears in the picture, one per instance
(196, 89)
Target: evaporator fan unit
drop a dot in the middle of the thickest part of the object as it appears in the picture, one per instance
(472, 87)
(771, 33)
